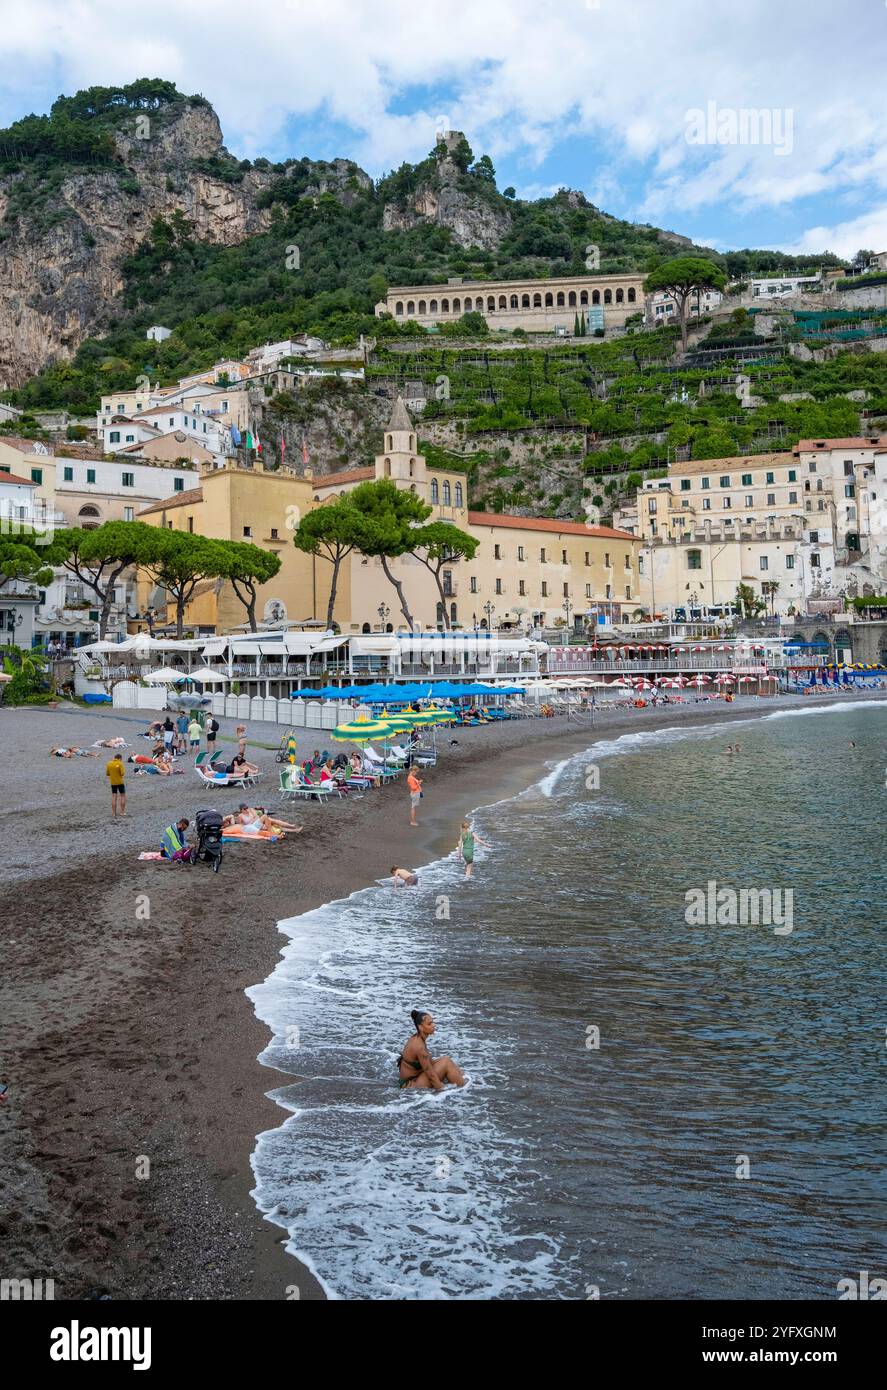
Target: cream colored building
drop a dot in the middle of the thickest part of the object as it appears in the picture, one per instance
(248, 504)
(527, 571)
(538, 306)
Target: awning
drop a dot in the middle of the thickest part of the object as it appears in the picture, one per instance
(327, 644)
(215, 646)
(385, 644)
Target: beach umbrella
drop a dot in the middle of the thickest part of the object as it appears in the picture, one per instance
(205, 674)
(700, 681)
(399, 723)
(746, 680)
(723, 679)
(163, 674)
(362, 731)
(672, 683)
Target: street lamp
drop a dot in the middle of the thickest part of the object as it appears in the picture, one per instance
(489, 610)
(568, 608)
(383, 610)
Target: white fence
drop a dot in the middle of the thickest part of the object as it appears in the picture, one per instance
(302, 714)
(130, 695)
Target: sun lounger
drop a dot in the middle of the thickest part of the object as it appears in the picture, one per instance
(207, 759)
(294, 784)
(384, 769)
(227, 779)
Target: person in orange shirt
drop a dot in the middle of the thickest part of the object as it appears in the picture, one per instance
(415, 787)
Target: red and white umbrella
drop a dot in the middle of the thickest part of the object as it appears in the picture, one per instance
(723, 647)
(699, 649)
(643, 684)
(723, 679)
(700, 681)
(747, 680)
(672, 683)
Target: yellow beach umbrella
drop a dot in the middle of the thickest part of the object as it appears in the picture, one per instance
(362, 731)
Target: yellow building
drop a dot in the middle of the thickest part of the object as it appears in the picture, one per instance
(264, 508)
(527, 571)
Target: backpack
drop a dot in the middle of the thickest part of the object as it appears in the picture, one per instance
(214, 726)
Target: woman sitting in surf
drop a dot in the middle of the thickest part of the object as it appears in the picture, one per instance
(415, 1066)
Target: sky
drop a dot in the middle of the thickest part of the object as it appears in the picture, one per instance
(754, 124)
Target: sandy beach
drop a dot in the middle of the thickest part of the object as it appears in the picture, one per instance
(129, 1046)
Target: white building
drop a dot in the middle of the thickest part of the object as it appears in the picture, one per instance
(118, 432)
(158, 334)
(662, 308)
(784, 286)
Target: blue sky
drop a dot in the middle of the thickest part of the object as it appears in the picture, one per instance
(598, 95)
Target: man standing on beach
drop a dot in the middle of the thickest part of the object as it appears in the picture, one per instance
(415, 787)
(116, 774)
(212, 729)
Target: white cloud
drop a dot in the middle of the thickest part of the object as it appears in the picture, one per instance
(521, 76)
(868, 231)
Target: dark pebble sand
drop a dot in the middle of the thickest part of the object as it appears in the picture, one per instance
(127, 1037)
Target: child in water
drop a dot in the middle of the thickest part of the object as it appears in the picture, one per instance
(468, 838)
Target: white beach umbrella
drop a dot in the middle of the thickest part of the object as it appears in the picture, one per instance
(205, 674)
(162, 674)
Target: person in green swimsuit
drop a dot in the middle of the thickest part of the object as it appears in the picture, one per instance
(416, 1069)
(468, 838)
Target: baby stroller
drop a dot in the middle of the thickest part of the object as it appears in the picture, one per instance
(209, 838)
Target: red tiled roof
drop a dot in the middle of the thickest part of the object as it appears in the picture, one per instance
(354, 475)
(178, 499)
(861, 442)
(534, 523)
(14, 478)
(24, 446)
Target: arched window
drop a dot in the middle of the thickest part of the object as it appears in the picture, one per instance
(90, 512)
(560, 299)
(491, 304)
(391, 441)
(398, 308)
(412, 468)
(583, 298)
(453, 618)
(468, 305)
(549, 300)
(422, 307)
(446, 493)
(514, 302)
(525, 301)
(366, 628)
(458, 494)
(595, 296)
(571, 299)
(387, 467)
(537, 301)
(432, 307)
(411, 306)
(412, 442)
(444, 306)
(503, 302)
(631, 295)
(440, 614)
(608, 296)
(435, 491)
(619, 296)
(456, 305)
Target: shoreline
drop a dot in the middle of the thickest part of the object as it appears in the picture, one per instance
(117, 1021)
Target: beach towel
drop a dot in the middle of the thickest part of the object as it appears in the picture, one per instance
(233, 833)
(150, 854)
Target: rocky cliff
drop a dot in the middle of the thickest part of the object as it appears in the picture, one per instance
(63, 247)
(444, 197)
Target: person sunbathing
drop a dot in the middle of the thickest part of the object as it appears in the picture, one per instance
(73, 753)
(254, 818)
(239, 766)
(163, 764)
(110, 743)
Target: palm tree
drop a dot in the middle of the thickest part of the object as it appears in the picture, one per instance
(769, 588)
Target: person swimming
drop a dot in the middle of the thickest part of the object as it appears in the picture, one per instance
(416, 1068)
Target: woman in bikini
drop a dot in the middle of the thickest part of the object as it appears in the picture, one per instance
(416, 1069)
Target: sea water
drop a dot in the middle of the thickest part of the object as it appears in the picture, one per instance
(657, 1108)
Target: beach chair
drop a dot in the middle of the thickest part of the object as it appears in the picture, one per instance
(294, 785)
(207, 759)
(213, 778)
(381, 768)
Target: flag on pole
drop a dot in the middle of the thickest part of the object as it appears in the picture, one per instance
(282, 451)
(305, 455)
(249, 440)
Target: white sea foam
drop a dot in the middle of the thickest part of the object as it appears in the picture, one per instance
(388, 1194)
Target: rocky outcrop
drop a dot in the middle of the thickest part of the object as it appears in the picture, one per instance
(61, 270)
(444, 200)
